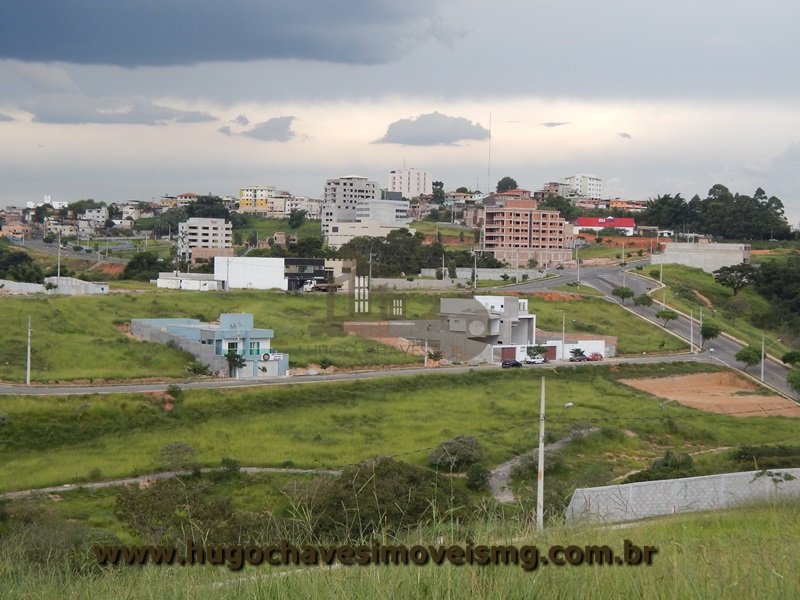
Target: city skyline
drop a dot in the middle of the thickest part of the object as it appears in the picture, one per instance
(143, 99)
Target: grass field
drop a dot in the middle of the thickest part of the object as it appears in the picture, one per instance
(48, 441)
(690, 290)
(430, 228)
(266, 228)
(751, 553)
(77, 338)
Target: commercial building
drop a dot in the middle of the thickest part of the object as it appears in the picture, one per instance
(625, 225)
(209, 343)
(517, 231)
(204, 238)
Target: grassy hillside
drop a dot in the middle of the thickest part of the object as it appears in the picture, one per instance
(49, 441)
(80, 339)
(752, 552)
(690, 290)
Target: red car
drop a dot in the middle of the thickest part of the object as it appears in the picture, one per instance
(595, 356)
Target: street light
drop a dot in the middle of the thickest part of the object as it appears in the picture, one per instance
(540, 472)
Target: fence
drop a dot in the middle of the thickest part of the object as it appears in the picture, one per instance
(653, 498)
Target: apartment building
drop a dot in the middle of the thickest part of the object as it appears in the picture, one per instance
(312, 206)
(263, 200)
(517, 231)
(353, 207)
(411, 183)
(584, 185)
(204, 238)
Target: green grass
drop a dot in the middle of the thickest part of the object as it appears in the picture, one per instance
(266, 228)
(682, 283)
(162, 248)
(606, 251)
(752, 552)
(430, 228)
(76, 338)
(48, 441)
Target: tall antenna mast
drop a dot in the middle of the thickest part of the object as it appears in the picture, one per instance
(489, 169)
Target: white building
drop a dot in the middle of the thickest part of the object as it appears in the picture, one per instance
(703, 255)
(203, 238)
(353, 207)
(412, 183)
(96, 216)
(584, 185)
(256, 272)
(312, 206)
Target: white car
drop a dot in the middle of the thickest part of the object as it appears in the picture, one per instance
(535, 360)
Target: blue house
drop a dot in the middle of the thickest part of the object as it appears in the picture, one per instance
(211, 342)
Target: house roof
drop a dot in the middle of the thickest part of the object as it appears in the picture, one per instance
(620, 222)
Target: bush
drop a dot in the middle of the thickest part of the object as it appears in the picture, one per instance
(175, 391)
(231, 465)
(477, 477)
(177, 455)
(456, 454)
(198, 368)
(374, 496)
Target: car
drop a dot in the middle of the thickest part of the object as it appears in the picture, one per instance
(535, 360)
(579, 358)
(507, 364)
(595, 356)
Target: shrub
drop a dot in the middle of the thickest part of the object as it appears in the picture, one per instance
(231, 465)
(477, 477)
(456, 454)
(176, 455)
(175, 391)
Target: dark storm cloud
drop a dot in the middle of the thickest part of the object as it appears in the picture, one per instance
(72, 109)
(552, 124)
(241, 120)
(625, 136)
(433, 129)
(134, 33)
(277, 129)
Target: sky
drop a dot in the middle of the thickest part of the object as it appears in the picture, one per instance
(134, 99)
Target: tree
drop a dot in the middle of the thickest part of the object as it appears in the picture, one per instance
(749, 355)
(735, 277)
(505, 184)
(793, 380)
(235, 361)
(462, 190)
(623, 293)
(296, 218)
(791, 358)
(437, 188)
(143, 267)
(537, 350)
(643, 300)
(708, 331)
(667, 314)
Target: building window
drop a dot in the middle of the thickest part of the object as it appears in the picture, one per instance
(233, 346)
(255, 348)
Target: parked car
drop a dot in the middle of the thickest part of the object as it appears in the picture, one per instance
(595, 356)
(579, 358)
(507, 364)
(535, 360)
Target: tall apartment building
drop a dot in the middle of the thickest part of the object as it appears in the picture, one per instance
(586, 186)
(411, 183)
(204, 238)
(516, 231)
(263, 200)
(353, 208)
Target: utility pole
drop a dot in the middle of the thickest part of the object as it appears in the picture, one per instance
(475, 271)
(28, 361)
(58, 268)
(762, 358)
(540, 472)
(691, 332)
(369, 282)
(578, 264)
(563, 333)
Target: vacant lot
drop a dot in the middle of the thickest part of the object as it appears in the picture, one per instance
(723, 393)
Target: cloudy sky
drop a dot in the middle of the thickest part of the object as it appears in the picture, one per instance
(133, 99)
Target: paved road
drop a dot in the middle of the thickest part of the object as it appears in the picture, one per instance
(721, 350)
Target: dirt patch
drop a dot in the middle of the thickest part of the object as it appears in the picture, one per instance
(721, 393)
(703, 299)
(108, 268)
(557, 296)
